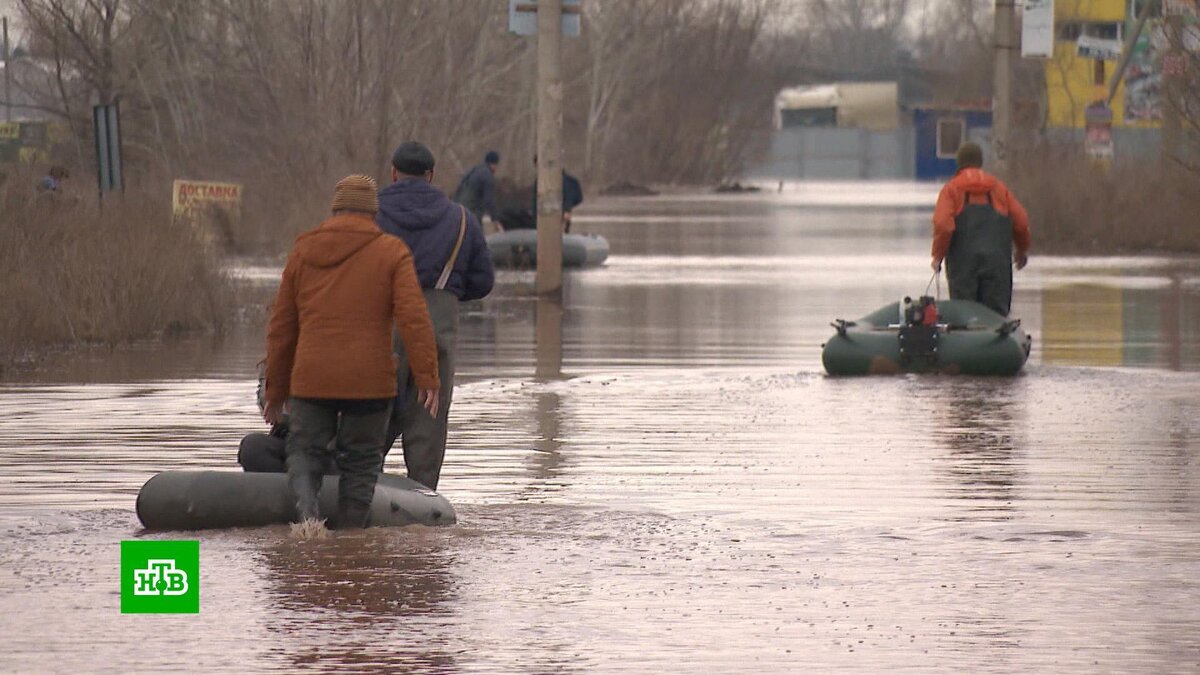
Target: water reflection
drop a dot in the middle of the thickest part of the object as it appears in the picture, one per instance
(549, 336)
(547, 458)
(975, 422)
(1148, 321)
(339, 601)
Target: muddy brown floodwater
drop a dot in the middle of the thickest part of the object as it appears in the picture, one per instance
(681, 488)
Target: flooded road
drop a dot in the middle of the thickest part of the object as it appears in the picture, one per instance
(674, 485)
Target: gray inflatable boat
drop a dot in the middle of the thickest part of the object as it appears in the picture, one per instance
(197, 500)
(518, 249)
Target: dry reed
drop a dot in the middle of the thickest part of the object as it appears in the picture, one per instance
(72, 273)
(1077, 206)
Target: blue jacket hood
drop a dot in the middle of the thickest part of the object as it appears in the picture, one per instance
(420, 214)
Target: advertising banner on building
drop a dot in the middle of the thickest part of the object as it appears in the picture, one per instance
(1089, 47)
(1143, 77)
(1037, 29)
(214, 209)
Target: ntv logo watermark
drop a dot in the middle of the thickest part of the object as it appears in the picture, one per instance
(160, 577)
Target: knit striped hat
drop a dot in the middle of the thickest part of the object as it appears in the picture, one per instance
(356, 193)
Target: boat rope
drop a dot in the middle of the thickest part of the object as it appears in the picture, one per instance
(937, 277)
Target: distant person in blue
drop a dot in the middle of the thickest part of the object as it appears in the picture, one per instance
(453, 265)
(477, 189)
(52, 182)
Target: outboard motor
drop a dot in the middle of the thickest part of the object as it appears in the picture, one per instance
(919, 333)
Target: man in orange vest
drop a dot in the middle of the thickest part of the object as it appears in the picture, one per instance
(977, 224)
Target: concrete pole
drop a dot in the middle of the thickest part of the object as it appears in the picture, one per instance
(7, 77)
(1004, 41)
(549, 148)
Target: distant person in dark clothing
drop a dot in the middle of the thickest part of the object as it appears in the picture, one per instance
(977, 225)
(477, 189)
(453, 264)
(572, 196)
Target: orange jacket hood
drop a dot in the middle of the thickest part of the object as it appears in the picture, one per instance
(974, 181)
(336, 239)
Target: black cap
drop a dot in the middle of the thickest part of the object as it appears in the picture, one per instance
(412, 158)
(492, 157)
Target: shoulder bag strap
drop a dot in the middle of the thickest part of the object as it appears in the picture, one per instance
(462, 232)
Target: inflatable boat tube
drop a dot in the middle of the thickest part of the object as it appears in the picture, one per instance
(518, 249)
(267, 453)
(969, 339)
(198, 500)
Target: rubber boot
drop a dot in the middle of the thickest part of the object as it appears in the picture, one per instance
(352, 515)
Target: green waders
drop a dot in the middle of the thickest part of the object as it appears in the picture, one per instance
(359, 428)
(424, 437)
(979, 262)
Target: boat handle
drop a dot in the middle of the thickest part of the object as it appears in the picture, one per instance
(840, 325)
(1008, 326)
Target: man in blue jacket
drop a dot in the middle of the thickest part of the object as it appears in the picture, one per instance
(453, 265)
(477, 188)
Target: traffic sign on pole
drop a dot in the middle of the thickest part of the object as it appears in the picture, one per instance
(522, 17)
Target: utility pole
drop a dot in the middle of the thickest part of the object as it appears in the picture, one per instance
(7, 77)
(1127, 49)
(1004, 43)
(549, 148)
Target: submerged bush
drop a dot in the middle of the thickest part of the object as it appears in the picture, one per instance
(73, 272)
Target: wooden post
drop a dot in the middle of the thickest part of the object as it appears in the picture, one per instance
(1004, 42)
(549, 148)
(1173, 60)
(7, 77)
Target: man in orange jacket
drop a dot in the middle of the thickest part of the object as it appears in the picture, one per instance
(976, 225)
(329, 350)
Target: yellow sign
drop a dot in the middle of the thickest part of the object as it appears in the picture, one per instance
(187, 196)
(10, 130)
(215, 209)
(34, 156)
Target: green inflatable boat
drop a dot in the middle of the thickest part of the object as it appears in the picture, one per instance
(947, 336)
(518, 249)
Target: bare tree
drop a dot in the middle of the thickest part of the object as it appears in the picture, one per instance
(285, 95)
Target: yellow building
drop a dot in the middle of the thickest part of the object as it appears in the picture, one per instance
(1095, 28)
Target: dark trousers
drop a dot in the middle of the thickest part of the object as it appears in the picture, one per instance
(358, 429)
(979, 261)
(424, 437)
(986, 281)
